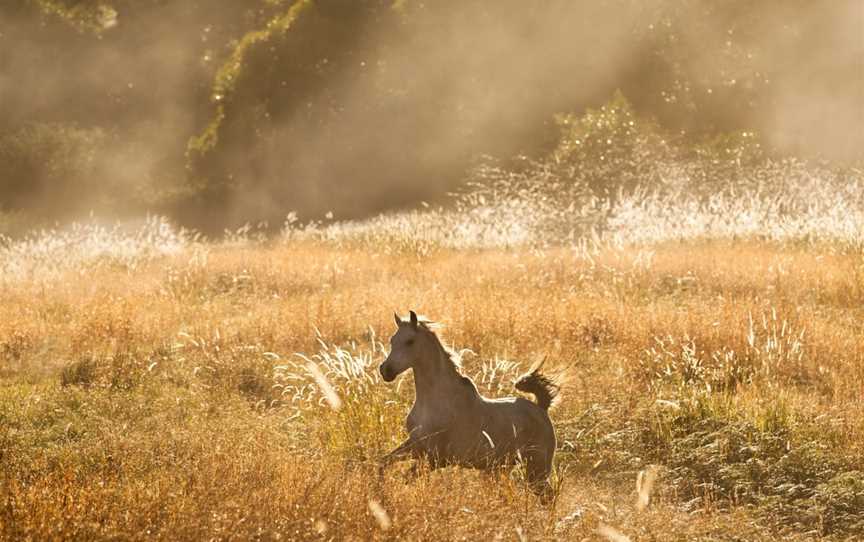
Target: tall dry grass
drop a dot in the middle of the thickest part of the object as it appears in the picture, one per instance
(174, 392)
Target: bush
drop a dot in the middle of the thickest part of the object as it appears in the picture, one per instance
(714, 453)
(610, 149)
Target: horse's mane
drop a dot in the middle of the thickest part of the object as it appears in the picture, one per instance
(451, 356)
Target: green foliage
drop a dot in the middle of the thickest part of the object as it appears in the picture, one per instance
(225, 82)
(84, 15)
(281, 102)
(716, 452)
(840, 500)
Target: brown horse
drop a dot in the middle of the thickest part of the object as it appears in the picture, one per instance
(452, 424)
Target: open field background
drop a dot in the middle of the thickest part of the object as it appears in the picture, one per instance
(150, 386)
(664, 199)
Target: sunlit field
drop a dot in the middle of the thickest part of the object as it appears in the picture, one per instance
(210, 211)
(156, 385)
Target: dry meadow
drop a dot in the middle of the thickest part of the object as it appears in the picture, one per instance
(663, 201)
(168, 396)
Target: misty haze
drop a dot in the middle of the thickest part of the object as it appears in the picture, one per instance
(210, 209)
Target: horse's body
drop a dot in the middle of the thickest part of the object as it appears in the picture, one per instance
(452, 424)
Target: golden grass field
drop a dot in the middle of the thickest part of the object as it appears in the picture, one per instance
(165, 400)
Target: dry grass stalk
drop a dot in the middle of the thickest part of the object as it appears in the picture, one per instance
(194, 415)
(324, 385)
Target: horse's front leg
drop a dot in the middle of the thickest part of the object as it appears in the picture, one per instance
(425, 462)
(406, 449)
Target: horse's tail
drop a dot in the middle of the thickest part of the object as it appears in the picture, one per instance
(542, 387)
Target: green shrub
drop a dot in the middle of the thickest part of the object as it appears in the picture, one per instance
(714, 452)
(85, 16)
(610, 148)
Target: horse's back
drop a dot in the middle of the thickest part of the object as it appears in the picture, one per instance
(521, 420)
(518, 408)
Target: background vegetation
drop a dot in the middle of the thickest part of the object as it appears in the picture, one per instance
(218, 112)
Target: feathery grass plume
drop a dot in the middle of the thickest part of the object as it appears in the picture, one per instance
(667, 404)
(324, 385)
(611, 533)
(644, 486)
(88, 246)
(790, 202)
(379, 514)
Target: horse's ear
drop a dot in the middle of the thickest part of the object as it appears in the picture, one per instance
(398, 320)
(413, 319)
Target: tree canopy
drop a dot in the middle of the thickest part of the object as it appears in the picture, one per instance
(223, 111)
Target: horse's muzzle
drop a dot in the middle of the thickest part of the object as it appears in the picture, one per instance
(386, 372)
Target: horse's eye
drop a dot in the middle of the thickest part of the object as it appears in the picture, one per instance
(409, 342)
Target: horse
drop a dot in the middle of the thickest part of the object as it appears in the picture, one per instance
(451, 423)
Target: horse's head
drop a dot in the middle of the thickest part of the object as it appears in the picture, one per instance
(411, 345)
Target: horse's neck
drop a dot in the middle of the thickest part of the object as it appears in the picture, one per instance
(439, 385)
